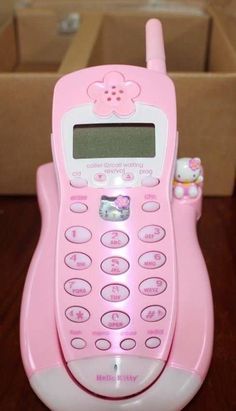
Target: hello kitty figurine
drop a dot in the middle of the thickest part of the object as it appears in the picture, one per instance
(188, 177)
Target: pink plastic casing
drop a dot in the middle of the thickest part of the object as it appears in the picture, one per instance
(72, 91)
(192, 344)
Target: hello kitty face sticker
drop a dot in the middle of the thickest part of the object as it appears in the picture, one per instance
(114, 95)
(114, 208)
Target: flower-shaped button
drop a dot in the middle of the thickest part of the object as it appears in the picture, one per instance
(114, 95)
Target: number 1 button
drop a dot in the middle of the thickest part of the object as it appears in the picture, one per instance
(78, 234)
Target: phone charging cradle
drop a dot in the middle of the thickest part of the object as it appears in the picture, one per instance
(191, 349)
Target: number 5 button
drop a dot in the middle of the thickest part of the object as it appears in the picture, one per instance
(78, 234)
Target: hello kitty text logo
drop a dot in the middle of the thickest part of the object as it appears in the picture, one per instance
(114, 95)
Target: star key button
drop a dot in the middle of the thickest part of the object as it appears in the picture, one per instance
(77, 314)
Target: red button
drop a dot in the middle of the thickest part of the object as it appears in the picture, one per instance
(115, 265)
(153, 313)
(114, 239)
(115, 320)
(152, 259)
(77, 314)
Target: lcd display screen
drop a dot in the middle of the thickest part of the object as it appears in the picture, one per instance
(114, 140)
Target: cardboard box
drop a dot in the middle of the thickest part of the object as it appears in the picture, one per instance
(34, 54)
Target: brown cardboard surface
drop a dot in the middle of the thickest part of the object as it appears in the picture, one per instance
(45, 44)
(206, 101)
(8, 52)
(83, 42)
(25, 119)
(122, 40)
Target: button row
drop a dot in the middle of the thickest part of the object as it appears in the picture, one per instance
(115, 320)
(147, 181)
(115, 238)
(148, 206)
(104, 344)
(77, 287)
(115, 265)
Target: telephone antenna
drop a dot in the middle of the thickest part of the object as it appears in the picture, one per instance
(155, 52)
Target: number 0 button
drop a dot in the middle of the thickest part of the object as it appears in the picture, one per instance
(78, 234)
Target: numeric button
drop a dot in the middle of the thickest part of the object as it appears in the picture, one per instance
(78, 261)
(78, 234)
(151, 233)
(114, 265)
(152, 259)
(114, 239)
(115, 292)
(152, 286)
(115, 320)
(78, 287)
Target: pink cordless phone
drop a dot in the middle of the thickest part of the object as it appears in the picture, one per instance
(114, 144)
(113, 243)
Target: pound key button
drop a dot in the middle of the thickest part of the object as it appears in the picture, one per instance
(153, 313)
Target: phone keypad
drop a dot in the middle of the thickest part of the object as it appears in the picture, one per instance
(115, 292)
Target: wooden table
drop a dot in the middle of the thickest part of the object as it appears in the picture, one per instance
(20, 226)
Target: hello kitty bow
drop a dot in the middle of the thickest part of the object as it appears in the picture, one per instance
(113, 95)
(195, 163)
